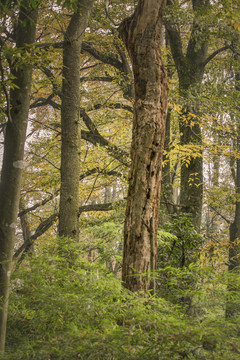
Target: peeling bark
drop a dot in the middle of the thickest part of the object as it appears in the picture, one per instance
(142, 36)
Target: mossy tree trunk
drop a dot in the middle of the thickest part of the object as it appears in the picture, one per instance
(70, 121)
(142, 36)
(13, 156)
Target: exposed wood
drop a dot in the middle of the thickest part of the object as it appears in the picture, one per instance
(142, 36)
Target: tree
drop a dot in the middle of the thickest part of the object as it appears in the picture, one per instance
(13, 160)
(70, 121)
(101, 142)
(141, 34)
(234, 230)
(190, 65)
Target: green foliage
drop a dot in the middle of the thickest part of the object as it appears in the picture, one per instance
(68, 4)
(82, 311)
(104, 243)
(178, 249)
(178, 241)
(7, 5)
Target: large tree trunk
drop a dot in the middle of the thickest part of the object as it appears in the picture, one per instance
(70, 122)
(142, 36)
(13, 159)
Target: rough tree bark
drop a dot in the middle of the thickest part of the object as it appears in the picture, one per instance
(70, 121)
(142, 36)
(13, 158)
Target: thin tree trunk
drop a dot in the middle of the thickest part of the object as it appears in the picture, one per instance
(191, 193)
(167, 185)
(25, 227)
(233, 308)
(212, 223)
(142, 36)
(13, 159)
(70, 122)
(234, 251)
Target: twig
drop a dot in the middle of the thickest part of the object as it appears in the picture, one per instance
(4, 88)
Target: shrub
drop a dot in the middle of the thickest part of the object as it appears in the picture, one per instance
(64, 312)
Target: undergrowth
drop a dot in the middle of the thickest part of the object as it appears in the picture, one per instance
(62, 311)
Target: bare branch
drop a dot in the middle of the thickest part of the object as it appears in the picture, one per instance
(41, 229)
(113, 105)
(42, 101)
(96, 138)
(100, 171)
(100, 207)
(215, 53)
(221, 215)
(5, 89)
(110, 59)
(117, 153)
(52, 78)
(37, 205)
(97, 78)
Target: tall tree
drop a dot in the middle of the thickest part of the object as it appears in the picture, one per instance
(142, 35)
(14, 152)
(70, 121)
(190, 65)
(233, 309)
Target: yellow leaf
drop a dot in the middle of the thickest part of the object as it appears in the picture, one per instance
(34, 287)
(236, 26)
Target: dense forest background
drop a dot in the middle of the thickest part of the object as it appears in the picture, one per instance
(75, 108)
